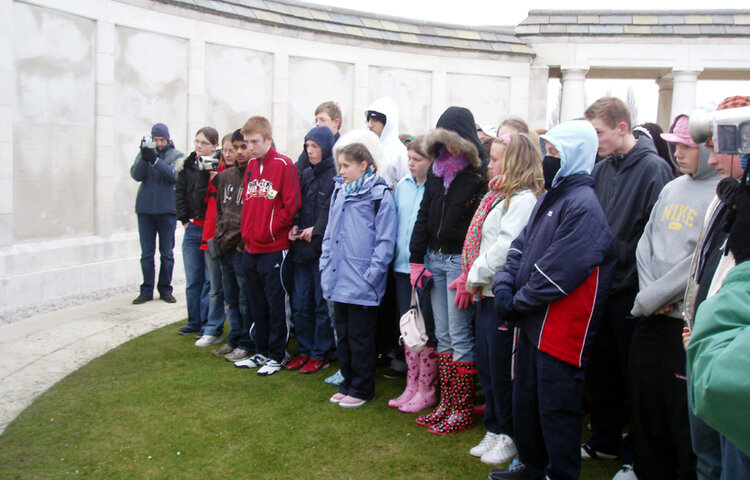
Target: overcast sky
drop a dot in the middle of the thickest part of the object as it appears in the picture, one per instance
(483, 12)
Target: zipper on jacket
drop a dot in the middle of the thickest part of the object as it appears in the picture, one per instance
(270, 224)
(442, 214)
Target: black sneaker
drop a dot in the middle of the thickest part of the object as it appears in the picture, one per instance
(392, 374)
(187, 331)
(140, 299)
(515, 471)
(169, 298)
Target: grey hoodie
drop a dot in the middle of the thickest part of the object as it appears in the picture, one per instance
(666, 247)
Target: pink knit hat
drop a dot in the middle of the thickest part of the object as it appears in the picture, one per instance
(679, 132)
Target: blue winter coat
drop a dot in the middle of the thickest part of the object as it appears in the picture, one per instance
(560, 267)
(408, 199)
(156, 191)
(358, 244)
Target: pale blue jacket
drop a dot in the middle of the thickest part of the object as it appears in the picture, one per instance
(408, 198)
(358, 244)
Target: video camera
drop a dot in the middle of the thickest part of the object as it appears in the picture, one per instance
(729, 129)
(208, 162)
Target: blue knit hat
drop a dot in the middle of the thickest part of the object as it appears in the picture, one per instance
(160, 130)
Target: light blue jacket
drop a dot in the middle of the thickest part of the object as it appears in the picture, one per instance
(358, 244)
(408, 198)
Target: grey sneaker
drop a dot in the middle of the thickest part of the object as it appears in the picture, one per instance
(207, 340)
(222, 350)
(237, 355)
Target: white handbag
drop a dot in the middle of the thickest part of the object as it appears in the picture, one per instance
(413, 333)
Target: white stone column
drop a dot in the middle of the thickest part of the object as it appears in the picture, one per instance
(361, 92)
(105, 129)
(573, 92)
(280, 99)
(438, 102)
(537, 97)
(196, 89)
(7, 91)
(664, 110)
(683, 95)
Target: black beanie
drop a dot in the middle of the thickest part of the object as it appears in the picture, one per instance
(380, 117)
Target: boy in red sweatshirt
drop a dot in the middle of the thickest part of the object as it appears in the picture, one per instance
(271, 198)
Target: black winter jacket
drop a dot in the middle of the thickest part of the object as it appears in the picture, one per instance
(444, 215)
(627, 187)
(316, 183)
(190, 190)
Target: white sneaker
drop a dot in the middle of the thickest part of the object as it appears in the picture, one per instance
(207, 340)
(503, 451)
(487, 443)
(255, 361)
(625, 473)
(271, 367)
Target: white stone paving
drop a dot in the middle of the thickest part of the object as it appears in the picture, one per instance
(38, 351)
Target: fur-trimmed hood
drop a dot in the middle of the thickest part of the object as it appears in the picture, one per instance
(366, 138)
(435, 140)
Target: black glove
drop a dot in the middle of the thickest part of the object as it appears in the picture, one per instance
(503, 302)
(148, 155)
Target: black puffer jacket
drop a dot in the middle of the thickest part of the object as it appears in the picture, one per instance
(444, 215)
(316, 185)
(190, 190)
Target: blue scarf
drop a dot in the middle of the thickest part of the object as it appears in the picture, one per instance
(355, 186)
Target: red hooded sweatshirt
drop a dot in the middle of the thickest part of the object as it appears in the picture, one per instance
(271, 198)
(209, 227)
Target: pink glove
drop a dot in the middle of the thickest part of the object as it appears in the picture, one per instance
(417, 272)
(463, 298)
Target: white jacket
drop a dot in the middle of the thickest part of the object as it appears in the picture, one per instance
(500, 228)
(395, 158)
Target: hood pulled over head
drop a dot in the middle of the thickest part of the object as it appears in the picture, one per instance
(577, 143)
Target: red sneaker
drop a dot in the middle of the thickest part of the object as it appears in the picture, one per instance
(313, 366)
(298, 362)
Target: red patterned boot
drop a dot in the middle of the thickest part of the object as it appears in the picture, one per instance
(426, 396)
(446, 370)
(462, 415)
(412, 379)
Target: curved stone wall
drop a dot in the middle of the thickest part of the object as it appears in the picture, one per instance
(86, 78)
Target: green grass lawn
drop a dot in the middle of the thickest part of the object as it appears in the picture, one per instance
(158, 407)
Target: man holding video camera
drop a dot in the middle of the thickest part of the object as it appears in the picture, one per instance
(154, 168)
(716, 457)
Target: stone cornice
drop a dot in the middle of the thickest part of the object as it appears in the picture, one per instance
(657, 23)
(364, 26)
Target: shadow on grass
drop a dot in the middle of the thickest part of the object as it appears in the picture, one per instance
(158, 407)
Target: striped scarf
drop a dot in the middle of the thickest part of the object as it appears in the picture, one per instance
(474, 235)
(356, 185)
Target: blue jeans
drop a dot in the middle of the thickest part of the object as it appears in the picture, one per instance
(734, 463)
(310, 312)
(196, 276)
(215, 323)
(453, 326)
(235, 297)
(149, 226)
(706, 443)
(403, 294)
